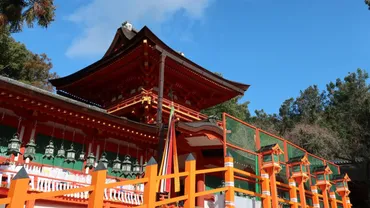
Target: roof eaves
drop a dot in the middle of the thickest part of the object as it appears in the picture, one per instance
(67, 100)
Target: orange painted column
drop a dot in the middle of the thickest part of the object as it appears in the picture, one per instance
(30, 204)
(229, 182)
(293, 193)
(333, 200)
(200, 187)
(98, 181)
(325, 197)
(18, 189)
(302, 193)
(273, 187)
(346, 201)
(190, 166)
(315, 197)
(150, 188)
(266, 202)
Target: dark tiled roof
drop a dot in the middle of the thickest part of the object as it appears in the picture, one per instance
(343, 162)
(319, 169)
(338, 177)
(197, 126)
(296, 159)
(266, 148)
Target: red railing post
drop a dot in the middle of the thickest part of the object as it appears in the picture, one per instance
(315, 197)
(333, 200)
(293, 193)
(150, 187)
(190, 180)
(229, 181)
(18, 189)
(96, 197)
(266, 202)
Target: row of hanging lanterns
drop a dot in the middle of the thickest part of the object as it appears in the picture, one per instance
(124, 167)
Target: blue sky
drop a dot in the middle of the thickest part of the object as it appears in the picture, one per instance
(279, 47)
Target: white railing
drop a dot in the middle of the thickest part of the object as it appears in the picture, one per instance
(54, 179)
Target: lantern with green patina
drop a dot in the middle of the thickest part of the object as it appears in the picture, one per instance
(136, 168)
(117, 165)
(49, 150)
(71, 155)
(90, 162)
(104, 160)
(14, 145)
(61, 152)
(30, 151)
(126, 166)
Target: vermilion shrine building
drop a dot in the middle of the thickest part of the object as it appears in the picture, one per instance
(113, 108)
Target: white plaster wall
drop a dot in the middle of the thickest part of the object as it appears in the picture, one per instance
(240, 202)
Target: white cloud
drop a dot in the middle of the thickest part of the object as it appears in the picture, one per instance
(101, 18)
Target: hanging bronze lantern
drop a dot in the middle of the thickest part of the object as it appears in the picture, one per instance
(71, 155)
(117, 165)
(136, 168)
(61, 152)
(104, 160)
(30, 151)
(49, 150)
(81, 156)
(90, 162)
(14, 145)
(126, 166)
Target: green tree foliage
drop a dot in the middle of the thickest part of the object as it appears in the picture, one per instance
(315, 139)
(348, 112)
(18, 63)
(265, 121)
(232, 107)
(14, 13)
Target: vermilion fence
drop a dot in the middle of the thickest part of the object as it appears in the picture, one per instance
(19, 189)
(243, 140)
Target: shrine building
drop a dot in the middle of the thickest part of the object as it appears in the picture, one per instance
(118, 112)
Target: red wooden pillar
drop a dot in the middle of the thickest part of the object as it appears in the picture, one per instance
(30, 204)
(200, 178)
(200, 187)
